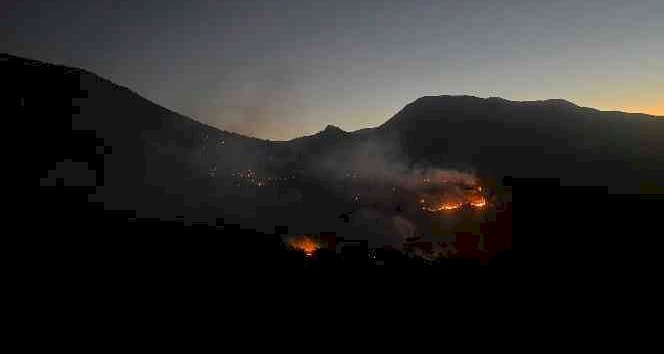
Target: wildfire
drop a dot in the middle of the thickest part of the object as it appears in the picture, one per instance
(303, 243)
(447, 205)
(471, 197)
(451, 205)
(478, 203)
(476, 199)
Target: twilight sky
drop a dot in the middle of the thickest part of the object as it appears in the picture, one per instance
(280, 69)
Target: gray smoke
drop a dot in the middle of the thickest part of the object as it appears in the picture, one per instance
(378, 169)
(382, 160)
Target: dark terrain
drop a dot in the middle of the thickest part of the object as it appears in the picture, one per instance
(117, 160)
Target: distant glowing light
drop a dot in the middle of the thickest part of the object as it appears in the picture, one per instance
(447, 205)
(479, 204)
(450, 206)
(304, 243)
(471, 198)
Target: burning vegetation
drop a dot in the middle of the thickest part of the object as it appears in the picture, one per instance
(445, 195)
(443, 206)
(303, 243)
(478, 202)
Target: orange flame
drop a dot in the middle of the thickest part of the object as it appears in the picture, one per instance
(472, 198)
(480, 203)
(303, 243)
(450, 205)
(447, 205)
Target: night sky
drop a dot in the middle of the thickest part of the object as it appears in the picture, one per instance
(281, 69)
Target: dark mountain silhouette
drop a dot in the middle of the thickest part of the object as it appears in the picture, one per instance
(319, 142)
(333, 130)
(134, 155)
(152, 147)
(550, 138)
(144, 157)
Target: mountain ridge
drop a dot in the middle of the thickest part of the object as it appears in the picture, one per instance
(498, 136)
(329, 128)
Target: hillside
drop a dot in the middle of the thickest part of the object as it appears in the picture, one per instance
(122, 152)
(550, 138)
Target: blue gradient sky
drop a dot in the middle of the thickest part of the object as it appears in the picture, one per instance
(281, 69)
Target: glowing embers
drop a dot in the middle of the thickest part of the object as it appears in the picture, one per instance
(445, 205)
(450, 205)
(250, 177)
(476, 199)
(478, 202)
(304, 244)
(451, 200)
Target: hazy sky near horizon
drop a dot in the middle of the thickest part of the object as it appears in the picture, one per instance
(281, 69)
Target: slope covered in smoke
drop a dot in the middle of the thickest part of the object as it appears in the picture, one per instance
(550, 138)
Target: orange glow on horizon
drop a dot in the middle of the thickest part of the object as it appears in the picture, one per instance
(651, 107)
(656, 110)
